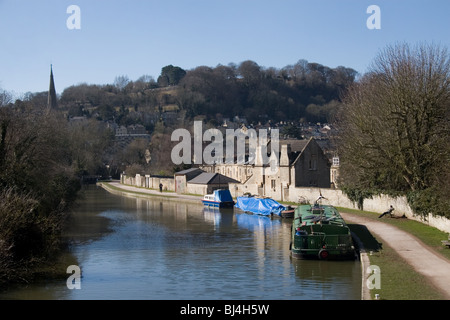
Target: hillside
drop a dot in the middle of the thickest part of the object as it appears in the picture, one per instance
(300, 93)
(308, 92)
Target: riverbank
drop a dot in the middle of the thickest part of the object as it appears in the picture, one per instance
(118, 188)
(410, 268)
(427, 266)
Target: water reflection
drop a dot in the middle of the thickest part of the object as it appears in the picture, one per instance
(134, 248)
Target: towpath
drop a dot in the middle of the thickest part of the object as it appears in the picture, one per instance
(151, 192)
(423, 259)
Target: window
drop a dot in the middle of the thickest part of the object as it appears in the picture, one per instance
(313, 162)
(273, 184)
(335, 161)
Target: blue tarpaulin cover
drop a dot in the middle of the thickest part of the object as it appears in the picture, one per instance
(259, 206)
(223, 196)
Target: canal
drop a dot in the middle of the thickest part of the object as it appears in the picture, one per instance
(158, 248)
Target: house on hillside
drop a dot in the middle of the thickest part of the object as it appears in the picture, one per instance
(136, 129)
(121, 131)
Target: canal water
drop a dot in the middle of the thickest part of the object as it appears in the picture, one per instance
(158, 248)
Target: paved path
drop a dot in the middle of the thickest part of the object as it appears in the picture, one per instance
(423, 259)
(153, 192)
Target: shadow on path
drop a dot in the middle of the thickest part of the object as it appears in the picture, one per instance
(364, 235)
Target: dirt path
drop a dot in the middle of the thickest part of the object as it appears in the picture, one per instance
(423, 259)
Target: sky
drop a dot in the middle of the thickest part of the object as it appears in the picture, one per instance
(140, 37)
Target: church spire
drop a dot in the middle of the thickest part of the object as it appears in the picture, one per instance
(52, 103)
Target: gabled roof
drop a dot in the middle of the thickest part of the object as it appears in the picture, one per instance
(296, 145)
(212, 178)
(296, 148)
(299, 154)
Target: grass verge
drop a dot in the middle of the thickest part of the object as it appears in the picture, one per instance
(399, 281)
(430, 236)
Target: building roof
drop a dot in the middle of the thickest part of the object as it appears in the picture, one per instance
(212, 178)
(296, 145)
(187, 171)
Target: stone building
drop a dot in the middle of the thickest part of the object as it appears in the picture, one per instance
(196, 181)
(300, 163)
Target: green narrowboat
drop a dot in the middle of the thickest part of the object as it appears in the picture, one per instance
(319, 232)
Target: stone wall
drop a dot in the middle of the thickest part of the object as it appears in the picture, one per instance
(149, 182)
(199, 189)
(294, 194)
(381, 203)
(337, 198)
(169, 184)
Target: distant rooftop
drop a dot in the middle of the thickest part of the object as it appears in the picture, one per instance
(183, 172)
(212, 178)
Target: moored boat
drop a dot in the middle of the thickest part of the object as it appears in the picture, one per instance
(219, 198)
(319, 231)
(288, 212)
(263, 206)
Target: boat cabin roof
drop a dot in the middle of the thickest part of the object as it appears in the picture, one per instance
(324, 214)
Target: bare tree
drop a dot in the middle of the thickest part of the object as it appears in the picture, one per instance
(394, 125)
(5, 98)
(120, 82)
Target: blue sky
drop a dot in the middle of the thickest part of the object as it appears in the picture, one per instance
(139, 37)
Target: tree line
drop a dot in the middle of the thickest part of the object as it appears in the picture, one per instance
(304, 91)
(38, 184)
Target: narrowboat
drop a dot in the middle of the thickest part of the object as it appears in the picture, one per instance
(219, 199)
(319, 232)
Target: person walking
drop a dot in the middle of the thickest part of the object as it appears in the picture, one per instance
(391, 208)
(160, 187)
